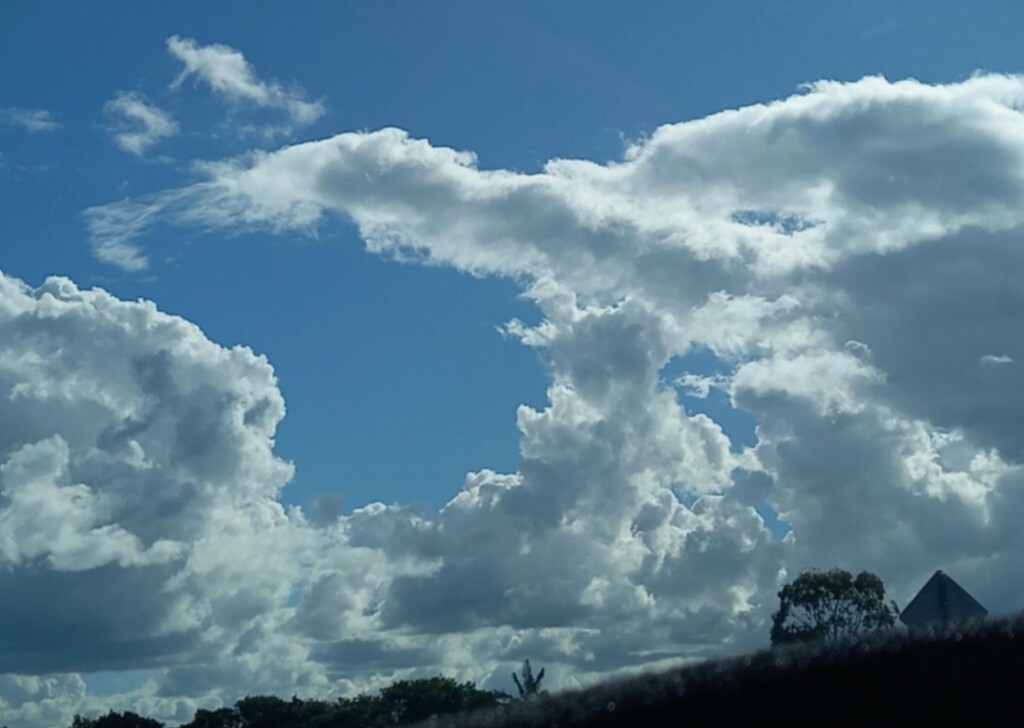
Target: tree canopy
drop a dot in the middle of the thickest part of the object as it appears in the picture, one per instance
(402, 702)
(831, 605)
(127, 719)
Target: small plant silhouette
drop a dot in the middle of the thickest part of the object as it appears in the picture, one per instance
(530, 686)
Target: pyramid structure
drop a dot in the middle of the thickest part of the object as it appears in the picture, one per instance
(941, 601)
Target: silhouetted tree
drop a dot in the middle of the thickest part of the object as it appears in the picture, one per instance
(530, 686)
(314, 714)
(831, 605)
(403, 702)
(408, 701)
(127, 719)
(264, 711)
(360, 711)
(220, 718)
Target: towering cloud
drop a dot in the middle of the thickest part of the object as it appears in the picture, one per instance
(847, 257)
(137, 473)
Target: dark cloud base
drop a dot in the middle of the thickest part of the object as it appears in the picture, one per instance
(969, 676)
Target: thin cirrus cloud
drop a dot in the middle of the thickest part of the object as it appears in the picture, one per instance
(227, 72)
(782, 238)
(31, 120)
(136, 124)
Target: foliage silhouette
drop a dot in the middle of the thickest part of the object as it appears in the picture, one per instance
(530, 686)
(403, 702)
(116, 720)
(413, 700)
(831, 605)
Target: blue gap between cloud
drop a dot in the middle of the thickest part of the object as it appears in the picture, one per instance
(738, 425)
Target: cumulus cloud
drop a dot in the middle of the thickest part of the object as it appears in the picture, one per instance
(63, 524)
(136, 124)
(227, 72)
(136, 478)
(32, 120)
(136, 469)
(848, 254)
(772, 235)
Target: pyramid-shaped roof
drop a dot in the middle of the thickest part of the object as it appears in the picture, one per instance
(941, 601)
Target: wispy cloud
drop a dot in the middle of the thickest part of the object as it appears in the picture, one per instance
(227, 72)
(32, 120)
(115, 228)
(136, 124)
(996, 359)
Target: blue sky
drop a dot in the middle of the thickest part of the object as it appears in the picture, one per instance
(518, 84)
(544, 318)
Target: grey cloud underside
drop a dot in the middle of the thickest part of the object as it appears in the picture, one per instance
(91, 620)
(930, 314)
(849, 255)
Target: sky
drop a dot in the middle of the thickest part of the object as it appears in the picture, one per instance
(372, 341)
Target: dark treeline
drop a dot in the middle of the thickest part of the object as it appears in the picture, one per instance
(403, 702)
(947, 676)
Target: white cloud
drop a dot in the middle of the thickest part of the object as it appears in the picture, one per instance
(851, 254)
(699, 386)
(833, 381)
(50, 700)
(31, 120)
(114, 228)
(903, 182)
(63, 523)
(227, 72)
(137, 478)
(994, 359)
(136, 469)
(136, 124)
